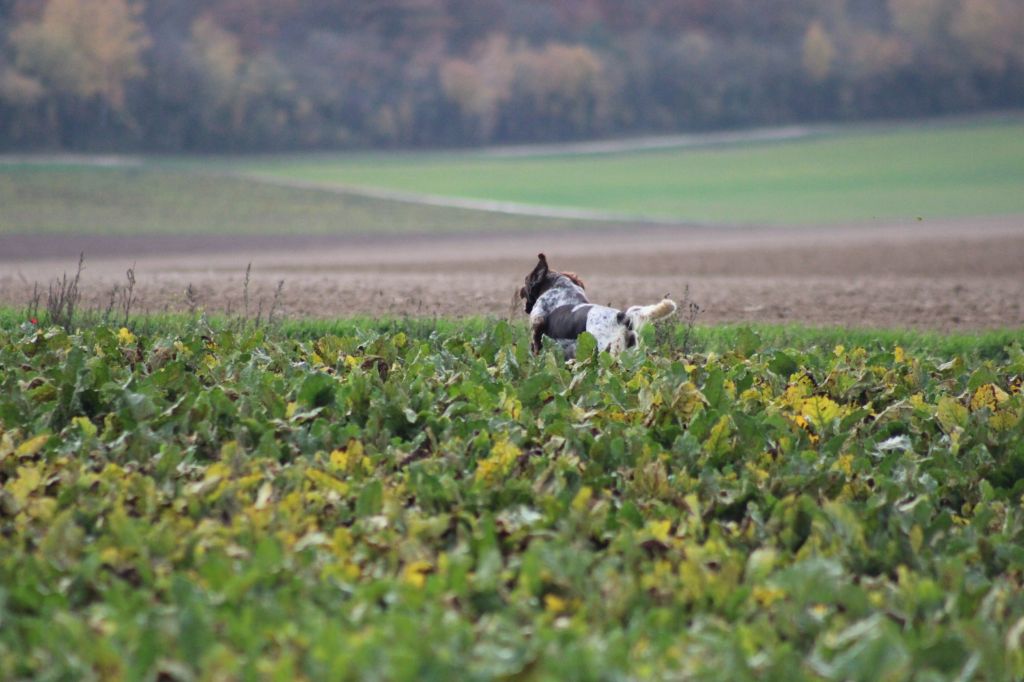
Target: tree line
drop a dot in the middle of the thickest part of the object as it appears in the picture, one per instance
(185, 75)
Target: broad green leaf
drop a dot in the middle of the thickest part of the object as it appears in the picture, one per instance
(317, 390)
(370, 499)
(586, 346)
(747, 341)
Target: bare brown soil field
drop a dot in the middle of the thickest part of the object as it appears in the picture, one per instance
(960, 274)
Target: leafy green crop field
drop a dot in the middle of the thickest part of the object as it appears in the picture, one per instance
(902, 172)
(402, 500)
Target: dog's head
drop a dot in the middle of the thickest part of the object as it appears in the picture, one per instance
(542, 278)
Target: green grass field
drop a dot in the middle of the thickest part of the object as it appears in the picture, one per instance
(901, 172)
(160, 199)
(855, 174)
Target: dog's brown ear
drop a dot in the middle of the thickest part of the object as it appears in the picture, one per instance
(535, 282)
(540, 271)
(542, 264)
(575, 279)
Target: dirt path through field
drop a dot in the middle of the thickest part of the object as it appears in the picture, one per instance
(943, 275)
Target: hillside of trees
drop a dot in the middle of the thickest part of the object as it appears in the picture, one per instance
(239, 75)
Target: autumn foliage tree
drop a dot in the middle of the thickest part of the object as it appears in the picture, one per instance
(818, 52)
(557, 92)
(277, 74)
(991, 31)
(83, 48)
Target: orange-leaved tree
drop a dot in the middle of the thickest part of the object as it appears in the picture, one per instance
(83, 48)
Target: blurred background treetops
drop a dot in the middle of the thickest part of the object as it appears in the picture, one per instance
(262, 75)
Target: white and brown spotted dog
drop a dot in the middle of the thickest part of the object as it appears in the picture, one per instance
(558, 308)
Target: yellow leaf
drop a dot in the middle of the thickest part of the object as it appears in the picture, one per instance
(497, 466)
(124, 336)
(555, 604)
(693, 505)
(338, 460)
(512, 407)
(582, 498)
(341, 541)
(718, 441)
(110, 556)
(820, 411)
(844, 464)
(263, 496)
(687, 399)
(988, 396)
(659, 530)
(795, 393)
(217, 471)
(327, 481)
(916, 538)
(289, 411)
(31, 446)
(760, 475)
(415, 573)
(766, 596)
(213, 481)
(1004, 420)
(730, 387)
(898, 354)
(87, 427)
(246, 482)
(28, 479)
(920, 406)
(6, 445)
(951, 414)
(42, 509)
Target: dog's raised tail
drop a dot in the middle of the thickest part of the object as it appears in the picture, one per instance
(639, 315)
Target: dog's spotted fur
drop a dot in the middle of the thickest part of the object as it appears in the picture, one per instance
(558, 308)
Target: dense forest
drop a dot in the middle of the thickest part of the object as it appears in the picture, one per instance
(185, 75)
